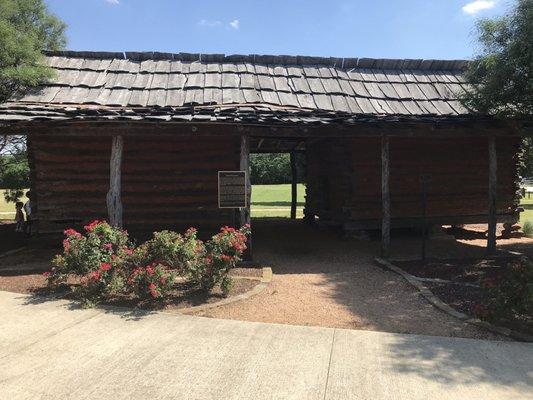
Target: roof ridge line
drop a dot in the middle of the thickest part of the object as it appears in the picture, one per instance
(285, 60)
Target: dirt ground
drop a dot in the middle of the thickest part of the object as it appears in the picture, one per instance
(322, 279)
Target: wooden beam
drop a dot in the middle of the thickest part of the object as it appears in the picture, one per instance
(493, 184)
(385, 197)
(114, 203)
(294, 181)
(245, 212)
(358, 129)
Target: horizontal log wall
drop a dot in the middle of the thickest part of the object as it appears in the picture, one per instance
(71, 179)
(458, 170)
(173, 182)
(167, 182)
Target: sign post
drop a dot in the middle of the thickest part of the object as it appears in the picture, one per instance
(232, 189)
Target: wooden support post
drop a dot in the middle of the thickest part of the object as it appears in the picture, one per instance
(493, 184)
(385, 198)
(114, 203)
(245, 212)
(294, 187)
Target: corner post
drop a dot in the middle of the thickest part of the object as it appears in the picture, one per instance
(493, 184)
(244, 165)
(385, 198)
(294, 187)
(114, 202)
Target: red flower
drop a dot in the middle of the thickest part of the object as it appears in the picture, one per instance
(46, 274)
(105, 266)
(227, 229)
(66, 245)
(71, 232)
(226, 258)
(129, 252)
(150, 270)
(162, 280)
(96, 275)
(108, 246)
(90, 227)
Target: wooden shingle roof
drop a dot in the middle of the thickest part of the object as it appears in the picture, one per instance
(189, 86)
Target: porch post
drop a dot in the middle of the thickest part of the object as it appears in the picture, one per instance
(245, 166)
(114, 203)
(294, 187)
(493, 183)
(385, 197)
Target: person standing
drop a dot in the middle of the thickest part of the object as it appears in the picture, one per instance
(19, 217)
(28, 210)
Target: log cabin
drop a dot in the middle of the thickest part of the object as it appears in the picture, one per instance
(138, 139)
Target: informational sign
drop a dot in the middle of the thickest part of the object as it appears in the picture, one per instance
(232, 189)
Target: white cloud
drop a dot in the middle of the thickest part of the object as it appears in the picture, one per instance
(476, 6)
(209, 23)
(112, 1)
(234, 24)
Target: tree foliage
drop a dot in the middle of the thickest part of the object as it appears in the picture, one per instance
(27, 28)
(274, 168)
(500, 76)
(14, 175)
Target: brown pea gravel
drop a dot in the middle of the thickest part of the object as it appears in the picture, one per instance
(323, 279)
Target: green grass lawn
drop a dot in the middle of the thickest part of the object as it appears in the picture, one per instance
(275, 200)
(527, 214)
(7, 210)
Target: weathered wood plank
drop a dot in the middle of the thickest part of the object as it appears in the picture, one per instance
(493, 185)
(294, 185)
(245, 214)
(114, 203)
(385, 197)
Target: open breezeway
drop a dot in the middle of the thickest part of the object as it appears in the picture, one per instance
(52, 350)
(322, 279)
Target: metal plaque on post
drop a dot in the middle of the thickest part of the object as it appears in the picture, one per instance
(232, 189)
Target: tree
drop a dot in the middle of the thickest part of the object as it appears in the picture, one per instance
(501, 76)
(27, 28)
(274, 168)
(14, 175)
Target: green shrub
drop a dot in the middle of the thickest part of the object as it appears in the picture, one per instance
(217, 257)
(98, 258)
(510, 294)
(528, 228)
(106, 264)
(152, 281)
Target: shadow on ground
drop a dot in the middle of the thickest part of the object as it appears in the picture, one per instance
(342, 270)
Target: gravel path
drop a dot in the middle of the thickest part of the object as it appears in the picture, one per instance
(321, 279)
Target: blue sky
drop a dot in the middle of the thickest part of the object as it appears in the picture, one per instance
(341, 28)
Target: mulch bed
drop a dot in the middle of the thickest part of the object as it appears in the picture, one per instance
(464, 297)
(467, 270)
(184, 296)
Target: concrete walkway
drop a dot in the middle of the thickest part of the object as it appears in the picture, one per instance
(53, 350)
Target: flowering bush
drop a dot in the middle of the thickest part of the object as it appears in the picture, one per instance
(511, 293)
(107, 264)
(171, 249)
(217, 257)
(96, 257)
(152, 281)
